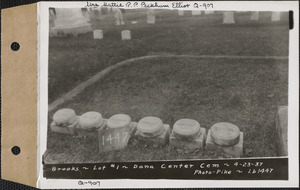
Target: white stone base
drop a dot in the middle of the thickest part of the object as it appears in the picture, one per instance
(68, 130)
(197, 143)
(92, 134)
(162, 139)
(235, 150)
(111, 139)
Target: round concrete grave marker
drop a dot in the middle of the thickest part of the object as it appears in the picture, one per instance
(150, 126)
(118, 120)
(225, 134)
(186, 129)
(90, 120)
(64, 117)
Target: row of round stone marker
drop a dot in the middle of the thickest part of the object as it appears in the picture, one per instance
(89, 120)
(225, 134)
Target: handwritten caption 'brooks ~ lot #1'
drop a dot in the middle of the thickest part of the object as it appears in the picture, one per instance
(199, 169)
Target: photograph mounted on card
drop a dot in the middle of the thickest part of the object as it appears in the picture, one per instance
(213, 89)
(166, 90)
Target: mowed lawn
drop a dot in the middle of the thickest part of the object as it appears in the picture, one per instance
(245, 92)
(73, 60)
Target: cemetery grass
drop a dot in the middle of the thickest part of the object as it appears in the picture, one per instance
(73, 60)
(243, 92)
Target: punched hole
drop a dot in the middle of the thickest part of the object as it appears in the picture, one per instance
(15, 150)
(15, 46)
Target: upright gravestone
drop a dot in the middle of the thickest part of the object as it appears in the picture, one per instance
(117, 134)
(282, 130)
(86, 14)
(254, 15)
(228, 18)
(52, 17)
(209, 12)
(275, 16)
(69, 21)
(180, 12)
(196, 12)
(225, 137)
(118, 16)
(151, 16)
(126, 35)
(187, 134)
(98, 34)
(151, 130)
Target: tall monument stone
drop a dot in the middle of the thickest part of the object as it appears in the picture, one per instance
(70, 22)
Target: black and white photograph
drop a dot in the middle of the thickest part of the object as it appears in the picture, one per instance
(153, 85)
(150, 94)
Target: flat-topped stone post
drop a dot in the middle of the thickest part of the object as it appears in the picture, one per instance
(208, 12)
(187, 134)
(228, 17)
(254, 15)
(126, 35)
(69, 21)
(196, 12)
(282, 130)
(180, 12)
(151, 16)
(275, 16)
(152, 131)
(98, 34)
(225, 137)
(117, 134)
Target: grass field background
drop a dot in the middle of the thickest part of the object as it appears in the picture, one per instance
(73, 60)
(244, 92)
